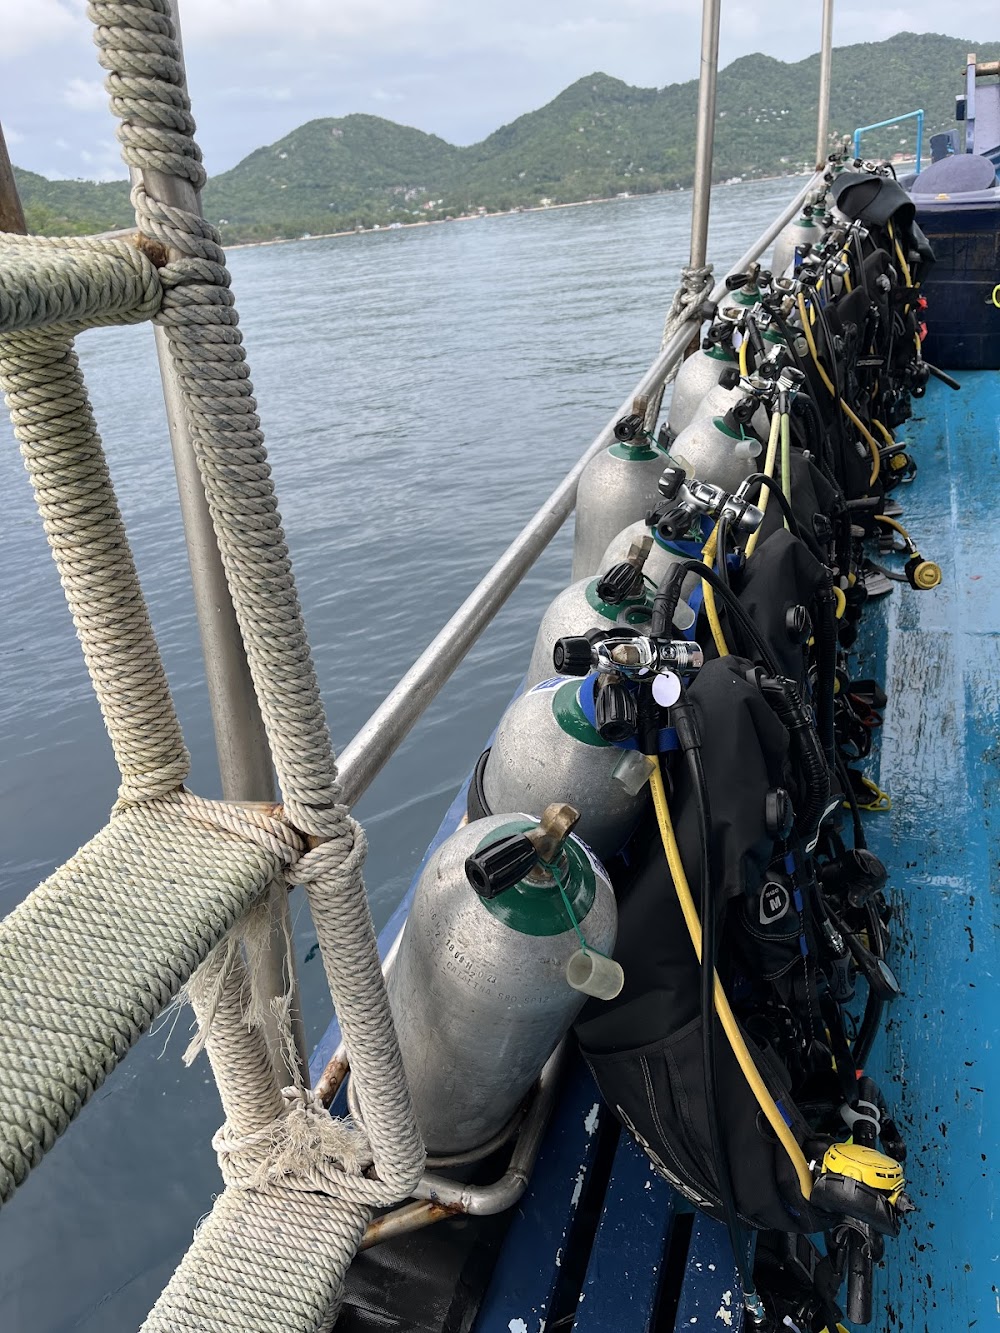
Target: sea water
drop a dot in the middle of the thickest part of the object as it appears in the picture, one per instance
(422, 391)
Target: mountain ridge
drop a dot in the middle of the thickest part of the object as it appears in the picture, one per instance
(598, 138)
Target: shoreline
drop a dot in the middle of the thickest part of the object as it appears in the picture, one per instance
(480, 217)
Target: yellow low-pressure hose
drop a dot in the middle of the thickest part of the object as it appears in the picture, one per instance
(769, 460)
(711, 610)
(901, 257)
(852, 416)
(926, 574)
(898, 527)
(786, 460)
(883, 431)
(743, 357)
(846, 259)
(729, 1025)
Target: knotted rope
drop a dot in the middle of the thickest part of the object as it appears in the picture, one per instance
(138, 48)
(688, 299)
(302, 1187)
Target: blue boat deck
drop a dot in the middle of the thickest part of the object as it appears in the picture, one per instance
(940, 762)
(599, 1241)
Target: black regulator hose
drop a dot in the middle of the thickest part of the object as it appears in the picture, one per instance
(825, 631)
(668, 595)
(783, 696)
(774, 486)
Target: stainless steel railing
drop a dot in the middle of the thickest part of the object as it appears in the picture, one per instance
(364, 757)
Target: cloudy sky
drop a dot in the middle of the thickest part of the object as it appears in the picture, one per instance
(457, 68)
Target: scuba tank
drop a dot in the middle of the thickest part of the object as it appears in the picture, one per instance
(547, 742)
(617, 486)
(699, 373)
(800, 235)
(721, 398)
(618, 597)
(713, 448)
(479, 989)
(661, 556)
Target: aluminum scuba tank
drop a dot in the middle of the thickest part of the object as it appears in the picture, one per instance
(661, 556)
(478, 988)
(712, 447)
(699, 373)
(800, 235)
(621, 596)
(720, 399)
(546, 745)
(618, 486)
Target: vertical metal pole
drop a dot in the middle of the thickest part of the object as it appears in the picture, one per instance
(823, 108)
(705, 140)
(970, 102)
(240, 738)
(11, 212)
(920, 140)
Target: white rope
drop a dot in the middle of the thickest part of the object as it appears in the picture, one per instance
(138, 49)
(688, 299)
(62, 451)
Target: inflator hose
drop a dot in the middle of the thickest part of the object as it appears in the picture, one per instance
(682, 717)
(711, 609)
(730, 1027)
(825, 631)
(786, 703)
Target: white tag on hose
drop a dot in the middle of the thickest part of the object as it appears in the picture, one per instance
(666, 688)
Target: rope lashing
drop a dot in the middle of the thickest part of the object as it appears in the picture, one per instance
(198, 314)
(274, 1252)
(688, 299)
(62, 452)
(74, 282)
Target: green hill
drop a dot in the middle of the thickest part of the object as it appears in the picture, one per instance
(598, 138)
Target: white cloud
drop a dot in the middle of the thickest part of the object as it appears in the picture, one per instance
(382, 95)
(85, 95)
(311, 19)
(27, 24)
(12, 136)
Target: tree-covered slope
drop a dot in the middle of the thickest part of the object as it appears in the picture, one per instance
(598, 138)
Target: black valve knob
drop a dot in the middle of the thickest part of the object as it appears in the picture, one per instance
(615, 711)
(779, 814)
(628, 428)
(670, 480)
(729, 378)
(494, 869)
(798, 624)
(620, 583)
(572, 656)
(737, 280)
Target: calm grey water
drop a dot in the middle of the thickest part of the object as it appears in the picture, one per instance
(422, 392)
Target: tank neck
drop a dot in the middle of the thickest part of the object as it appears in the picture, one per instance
(611, 610)
(535, 906)
(639, 451)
